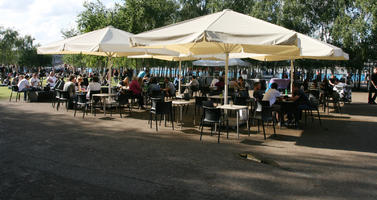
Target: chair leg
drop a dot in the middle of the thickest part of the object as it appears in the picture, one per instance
(227, 129)
(211, 128)
(155, 117)
(218, 138)
(201, 131)
(10, 98)
(75, 107)
(172, 120)
(264, 131)
(258, 126)
(57, 106)
(120, 111)
(273, 124)
(319, 118)
(150, 120)
(83, 111)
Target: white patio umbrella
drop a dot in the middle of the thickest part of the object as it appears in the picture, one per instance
(109, 42)
(219, 63)
(221, 33)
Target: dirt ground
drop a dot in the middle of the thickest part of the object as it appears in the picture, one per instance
(49, 154)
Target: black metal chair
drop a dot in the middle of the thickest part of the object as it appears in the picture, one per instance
(123, 100)
(313, 106)
(62, 97)
(94, 102)
(263, 113)
(212, 116)
(161, 108)
(14, 88)
(81, 101)
(199, 104)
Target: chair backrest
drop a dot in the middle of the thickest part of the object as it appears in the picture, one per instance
(266, 111)
(212, 114)
(199, 100)
(155, 93)
(94, 99)
(104, 90)
(62, 94)
(81, 98)
(242, 101)
(123, 98)
(14, 88)
(207, 104)
(163, 107)
(194, 88)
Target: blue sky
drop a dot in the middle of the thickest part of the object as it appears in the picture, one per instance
(43, 19)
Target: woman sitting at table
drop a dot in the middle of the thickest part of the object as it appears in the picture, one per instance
(93, 86)
(220, 85)
(135, 88)
(124, 84)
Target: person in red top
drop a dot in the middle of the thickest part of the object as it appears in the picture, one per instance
(220, 85)
(136, 91)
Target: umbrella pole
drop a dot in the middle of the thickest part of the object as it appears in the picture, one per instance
(226, 78)
(109, 73)
(292, 74)
(179, 77)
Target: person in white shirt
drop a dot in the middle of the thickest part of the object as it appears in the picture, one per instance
(70, 86)
(93, 86)
(51, 79)
(214, 81)
(35, 82)
(272, 94)
(24, 85)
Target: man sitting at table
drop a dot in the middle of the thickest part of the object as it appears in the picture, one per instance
(35, 82)
(169, 88)
(51, 79)
(258, 93)
(70, 86)
(301, 102)
(24, 85)
(272, 94)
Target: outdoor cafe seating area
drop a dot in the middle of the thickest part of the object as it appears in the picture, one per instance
(201, 108)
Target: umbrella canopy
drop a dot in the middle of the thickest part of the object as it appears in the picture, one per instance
(222, 32)
(310, 49)
(108, 41)
(218, 63)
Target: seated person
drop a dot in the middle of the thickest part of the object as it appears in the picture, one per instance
(24, 85)
(93, 86)
(78, 84)
(214, 81)
(125, 83)
(233, 84)
(193, 85)
(300, 100)
(258, 93)
(51, 79)
(169, 88)
(35, 82)
(220, 85)
(59, 84)
(70, 86)
(154, 88)
(136, 90)
(272, 95)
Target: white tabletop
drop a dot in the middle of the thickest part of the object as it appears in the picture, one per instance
(216, 97)
(232, 107)
(104, 95)
(183, 102)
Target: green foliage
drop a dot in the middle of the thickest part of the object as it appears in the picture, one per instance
(18, 50)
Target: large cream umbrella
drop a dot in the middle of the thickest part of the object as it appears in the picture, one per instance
(221, 33)
(310, 48)
(109, 42)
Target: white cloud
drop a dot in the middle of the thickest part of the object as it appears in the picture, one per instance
(43, 19)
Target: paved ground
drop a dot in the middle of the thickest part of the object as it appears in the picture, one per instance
(45, 154)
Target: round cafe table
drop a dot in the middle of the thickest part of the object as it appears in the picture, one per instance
(181, 104)
(103, 98)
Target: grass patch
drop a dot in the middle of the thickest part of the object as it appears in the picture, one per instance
(4, 93)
